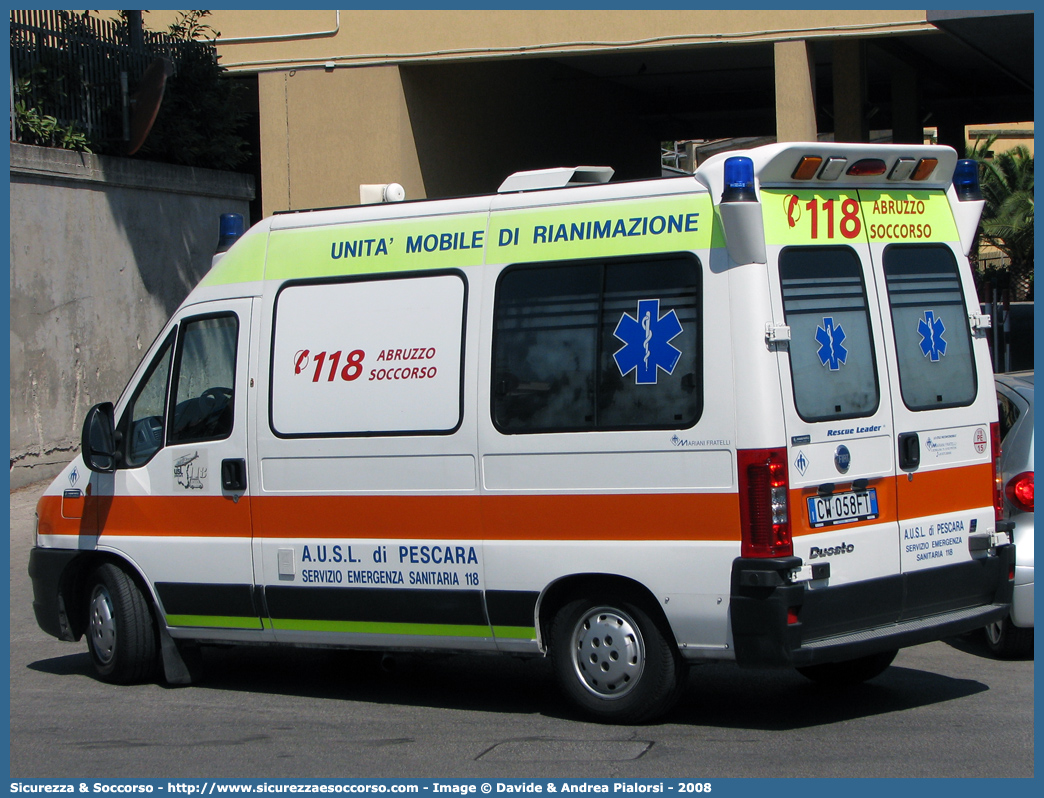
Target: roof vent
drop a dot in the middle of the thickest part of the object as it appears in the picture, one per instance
(559, 177)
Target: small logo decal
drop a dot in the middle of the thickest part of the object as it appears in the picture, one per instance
(931, 329)
(980, 440)
(831, 352)
(647, 346)
(801, 464)
(842, 459)
(74, 477)
(187, 475)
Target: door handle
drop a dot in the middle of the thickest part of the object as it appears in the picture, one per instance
(909, 451)
(233, 474)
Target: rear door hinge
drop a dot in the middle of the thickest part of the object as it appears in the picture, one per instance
(777, 333)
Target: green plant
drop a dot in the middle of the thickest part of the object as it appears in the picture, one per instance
(41, 129)
(1006, 180)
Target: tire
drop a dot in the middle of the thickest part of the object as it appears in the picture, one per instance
(1008, 641)
(850, 672)
(613, 662)
(120, 635)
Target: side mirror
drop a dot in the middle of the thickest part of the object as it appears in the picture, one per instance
(98, 440)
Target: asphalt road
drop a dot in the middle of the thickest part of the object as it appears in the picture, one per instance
(944, 709)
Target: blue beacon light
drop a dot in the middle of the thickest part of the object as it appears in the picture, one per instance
(739, 180)
(230, 229)
(966, 180)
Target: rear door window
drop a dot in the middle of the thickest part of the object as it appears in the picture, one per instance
(831, 350)
(930, 323)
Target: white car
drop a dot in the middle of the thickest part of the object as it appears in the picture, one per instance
(1013, 636)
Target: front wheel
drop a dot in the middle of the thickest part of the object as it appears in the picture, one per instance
(849, 672)
(613, 662)
(120, 635)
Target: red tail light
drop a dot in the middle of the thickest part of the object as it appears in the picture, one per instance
(998, 493)
(764, 516)
(1019, 491)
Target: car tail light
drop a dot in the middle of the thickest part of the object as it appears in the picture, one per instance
(998, 493)
(1019, 491)
(764, 516)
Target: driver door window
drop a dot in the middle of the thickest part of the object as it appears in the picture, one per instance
(145, 412)
(204, 380)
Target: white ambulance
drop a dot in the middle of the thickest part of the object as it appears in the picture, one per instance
(744, 415)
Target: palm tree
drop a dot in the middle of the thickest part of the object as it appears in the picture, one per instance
(1007, 220)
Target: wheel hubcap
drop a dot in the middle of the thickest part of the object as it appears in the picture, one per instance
(102, 624)
(608, 652)
(994, 631)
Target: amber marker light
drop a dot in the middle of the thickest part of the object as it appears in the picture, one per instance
(807, 167)
(925, 168)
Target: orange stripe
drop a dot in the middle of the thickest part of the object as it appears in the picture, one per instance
(155, 516)
(678, 516)
(945, 491)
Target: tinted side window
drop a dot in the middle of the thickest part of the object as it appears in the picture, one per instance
(598, 345)
(204, 380)
(831, 352)
(932, 336)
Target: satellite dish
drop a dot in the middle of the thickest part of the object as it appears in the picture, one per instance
(145, 103)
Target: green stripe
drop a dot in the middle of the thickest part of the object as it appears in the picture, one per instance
(244, 263)
(218, 621)
(368, 627)
(358, 627)
(515, 632)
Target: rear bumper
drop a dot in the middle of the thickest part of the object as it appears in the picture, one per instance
(848, 621)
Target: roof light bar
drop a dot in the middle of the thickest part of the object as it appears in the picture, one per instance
(807, 167)
(867, 167)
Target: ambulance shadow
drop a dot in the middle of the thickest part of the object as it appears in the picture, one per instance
(492, 683)
(727, 697)
(715, 696)
(974, 643)
(67, 665)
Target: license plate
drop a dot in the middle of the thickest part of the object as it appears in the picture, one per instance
(842, 508)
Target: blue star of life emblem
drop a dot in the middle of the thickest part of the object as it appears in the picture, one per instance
(831, 352)
(647, 346)
(931, 330)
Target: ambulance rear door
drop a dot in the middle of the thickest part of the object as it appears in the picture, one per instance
(837, 399)
(943, 397)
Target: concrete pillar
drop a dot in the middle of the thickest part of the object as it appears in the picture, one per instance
(795, 72)
(850, 122)
(906, 116)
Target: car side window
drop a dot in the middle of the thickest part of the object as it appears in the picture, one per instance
(1008, 413)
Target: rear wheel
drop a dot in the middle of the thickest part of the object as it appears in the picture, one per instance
(1007, 640)
(613, 662)
(849, 672)
(120, 634)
